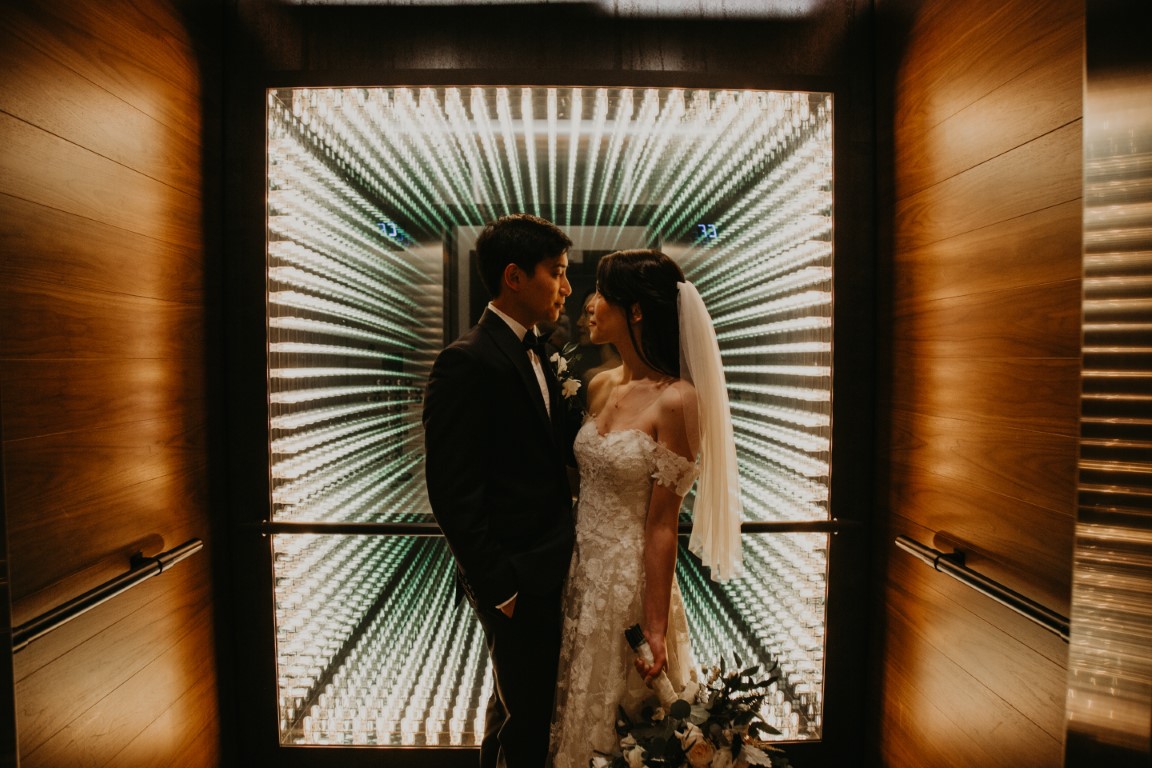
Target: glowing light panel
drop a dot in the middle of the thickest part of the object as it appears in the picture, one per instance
(367, 189)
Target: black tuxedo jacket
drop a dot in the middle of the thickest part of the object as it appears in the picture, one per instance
(496, 465)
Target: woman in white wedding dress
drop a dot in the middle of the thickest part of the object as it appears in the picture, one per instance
(648, 421)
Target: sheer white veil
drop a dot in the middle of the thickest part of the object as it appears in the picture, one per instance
(717, 511)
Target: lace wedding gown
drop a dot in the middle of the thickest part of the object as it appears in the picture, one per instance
(603, 595)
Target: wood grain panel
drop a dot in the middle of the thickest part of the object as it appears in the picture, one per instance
(176, 738)
(935, 146)
(990, 653)
(958, 53)
(75, 467)
(57, 322)
(47, 94)
(1040, 174)
(59, 396)
(82, 182)
(144, 653)
(139, 52)
(1026, 547)
(982, 400)
(149, 517)
(1038, 248)
(945, 717)
(1035, 322)
(1034, 467)
(1039, 395)
(45, 245)
(96, 623)
(103, 385)
(134, 706)
(571, 40)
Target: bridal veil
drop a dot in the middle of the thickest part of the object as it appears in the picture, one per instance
(717, 512)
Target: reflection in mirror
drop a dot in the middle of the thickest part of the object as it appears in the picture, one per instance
(375, 197)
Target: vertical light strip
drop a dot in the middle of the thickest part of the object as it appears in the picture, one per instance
(487, 140)
(576, 110)
(527, 118)
(591, 156)
(623, 127)
(511, 149)
(1109, 701)
(553, 135)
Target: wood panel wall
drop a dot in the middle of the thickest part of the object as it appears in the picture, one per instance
(104, 384)
(980, 214)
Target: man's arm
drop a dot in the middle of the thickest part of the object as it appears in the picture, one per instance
(457, 433)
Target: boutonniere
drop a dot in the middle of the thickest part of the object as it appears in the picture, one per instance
(569, 384)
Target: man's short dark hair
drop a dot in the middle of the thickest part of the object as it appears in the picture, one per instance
(521, 239)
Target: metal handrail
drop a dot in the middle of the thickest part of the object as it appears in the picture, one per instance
(953, 565)
(432, 529)
(142, 568)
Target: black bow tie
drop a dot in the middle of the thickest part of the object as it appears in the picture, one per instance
(535, 343)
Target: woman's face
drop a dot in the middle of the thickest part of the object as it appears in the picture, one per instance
(607, 323)
(582, 322)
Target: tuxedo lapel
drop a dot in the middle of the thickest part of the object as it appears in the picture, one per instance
(555, 402)
(513, 348)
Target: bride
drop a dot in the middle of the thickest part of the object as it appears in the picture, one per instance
(649, 419)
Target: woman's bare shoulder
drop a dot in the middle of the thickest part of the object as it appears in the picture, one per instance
(677, 421)
(678, 395)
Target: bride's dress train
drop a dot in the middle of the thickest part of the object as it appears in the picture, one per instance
(603, 595)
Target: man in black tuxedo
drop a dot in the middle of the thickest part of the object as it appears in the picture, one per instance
(496, 442)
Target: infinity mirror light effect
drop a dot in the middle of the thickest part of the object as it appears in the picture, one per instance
(374, 198)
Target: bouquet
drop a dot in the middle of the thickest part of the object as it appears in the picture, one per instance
(721, 728)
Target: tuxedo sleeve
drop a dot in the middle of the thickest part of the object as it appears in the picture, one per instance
(457, 430)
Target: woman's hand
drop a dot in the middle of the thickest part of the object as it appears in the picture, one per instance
(659, 657)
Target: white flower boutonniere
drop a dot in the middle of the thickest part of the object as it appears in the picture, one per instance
(569, 384)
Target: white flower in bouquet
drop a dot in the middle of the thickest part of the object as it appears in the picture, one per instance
(723, 759)
(689, 736)
(634, 756)
(754, 756)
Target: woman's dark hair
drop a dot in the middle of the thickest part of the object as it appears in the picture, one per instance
(647, 278)
(521, 239)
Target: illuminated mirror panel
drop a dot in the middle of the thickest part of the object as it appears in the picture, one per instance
(370, 650)
(375, 197)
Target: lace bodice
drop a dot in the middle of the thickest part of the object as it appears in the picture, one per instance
(615, 474)
(605, 587)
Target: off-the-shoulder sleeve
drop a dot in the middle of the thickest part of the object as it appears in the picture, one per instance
(674, 471)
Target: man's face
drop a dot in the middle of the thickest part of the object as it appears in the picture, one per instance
(544, 291)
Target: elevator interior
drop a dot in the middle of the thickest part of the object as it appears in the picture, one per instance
(374, 197)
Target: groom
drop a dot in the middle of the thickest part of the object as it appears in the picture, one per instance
(496, 439)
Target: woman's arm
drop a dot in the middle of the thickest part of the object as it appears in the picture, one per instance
(660, 545)
(660, 528)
